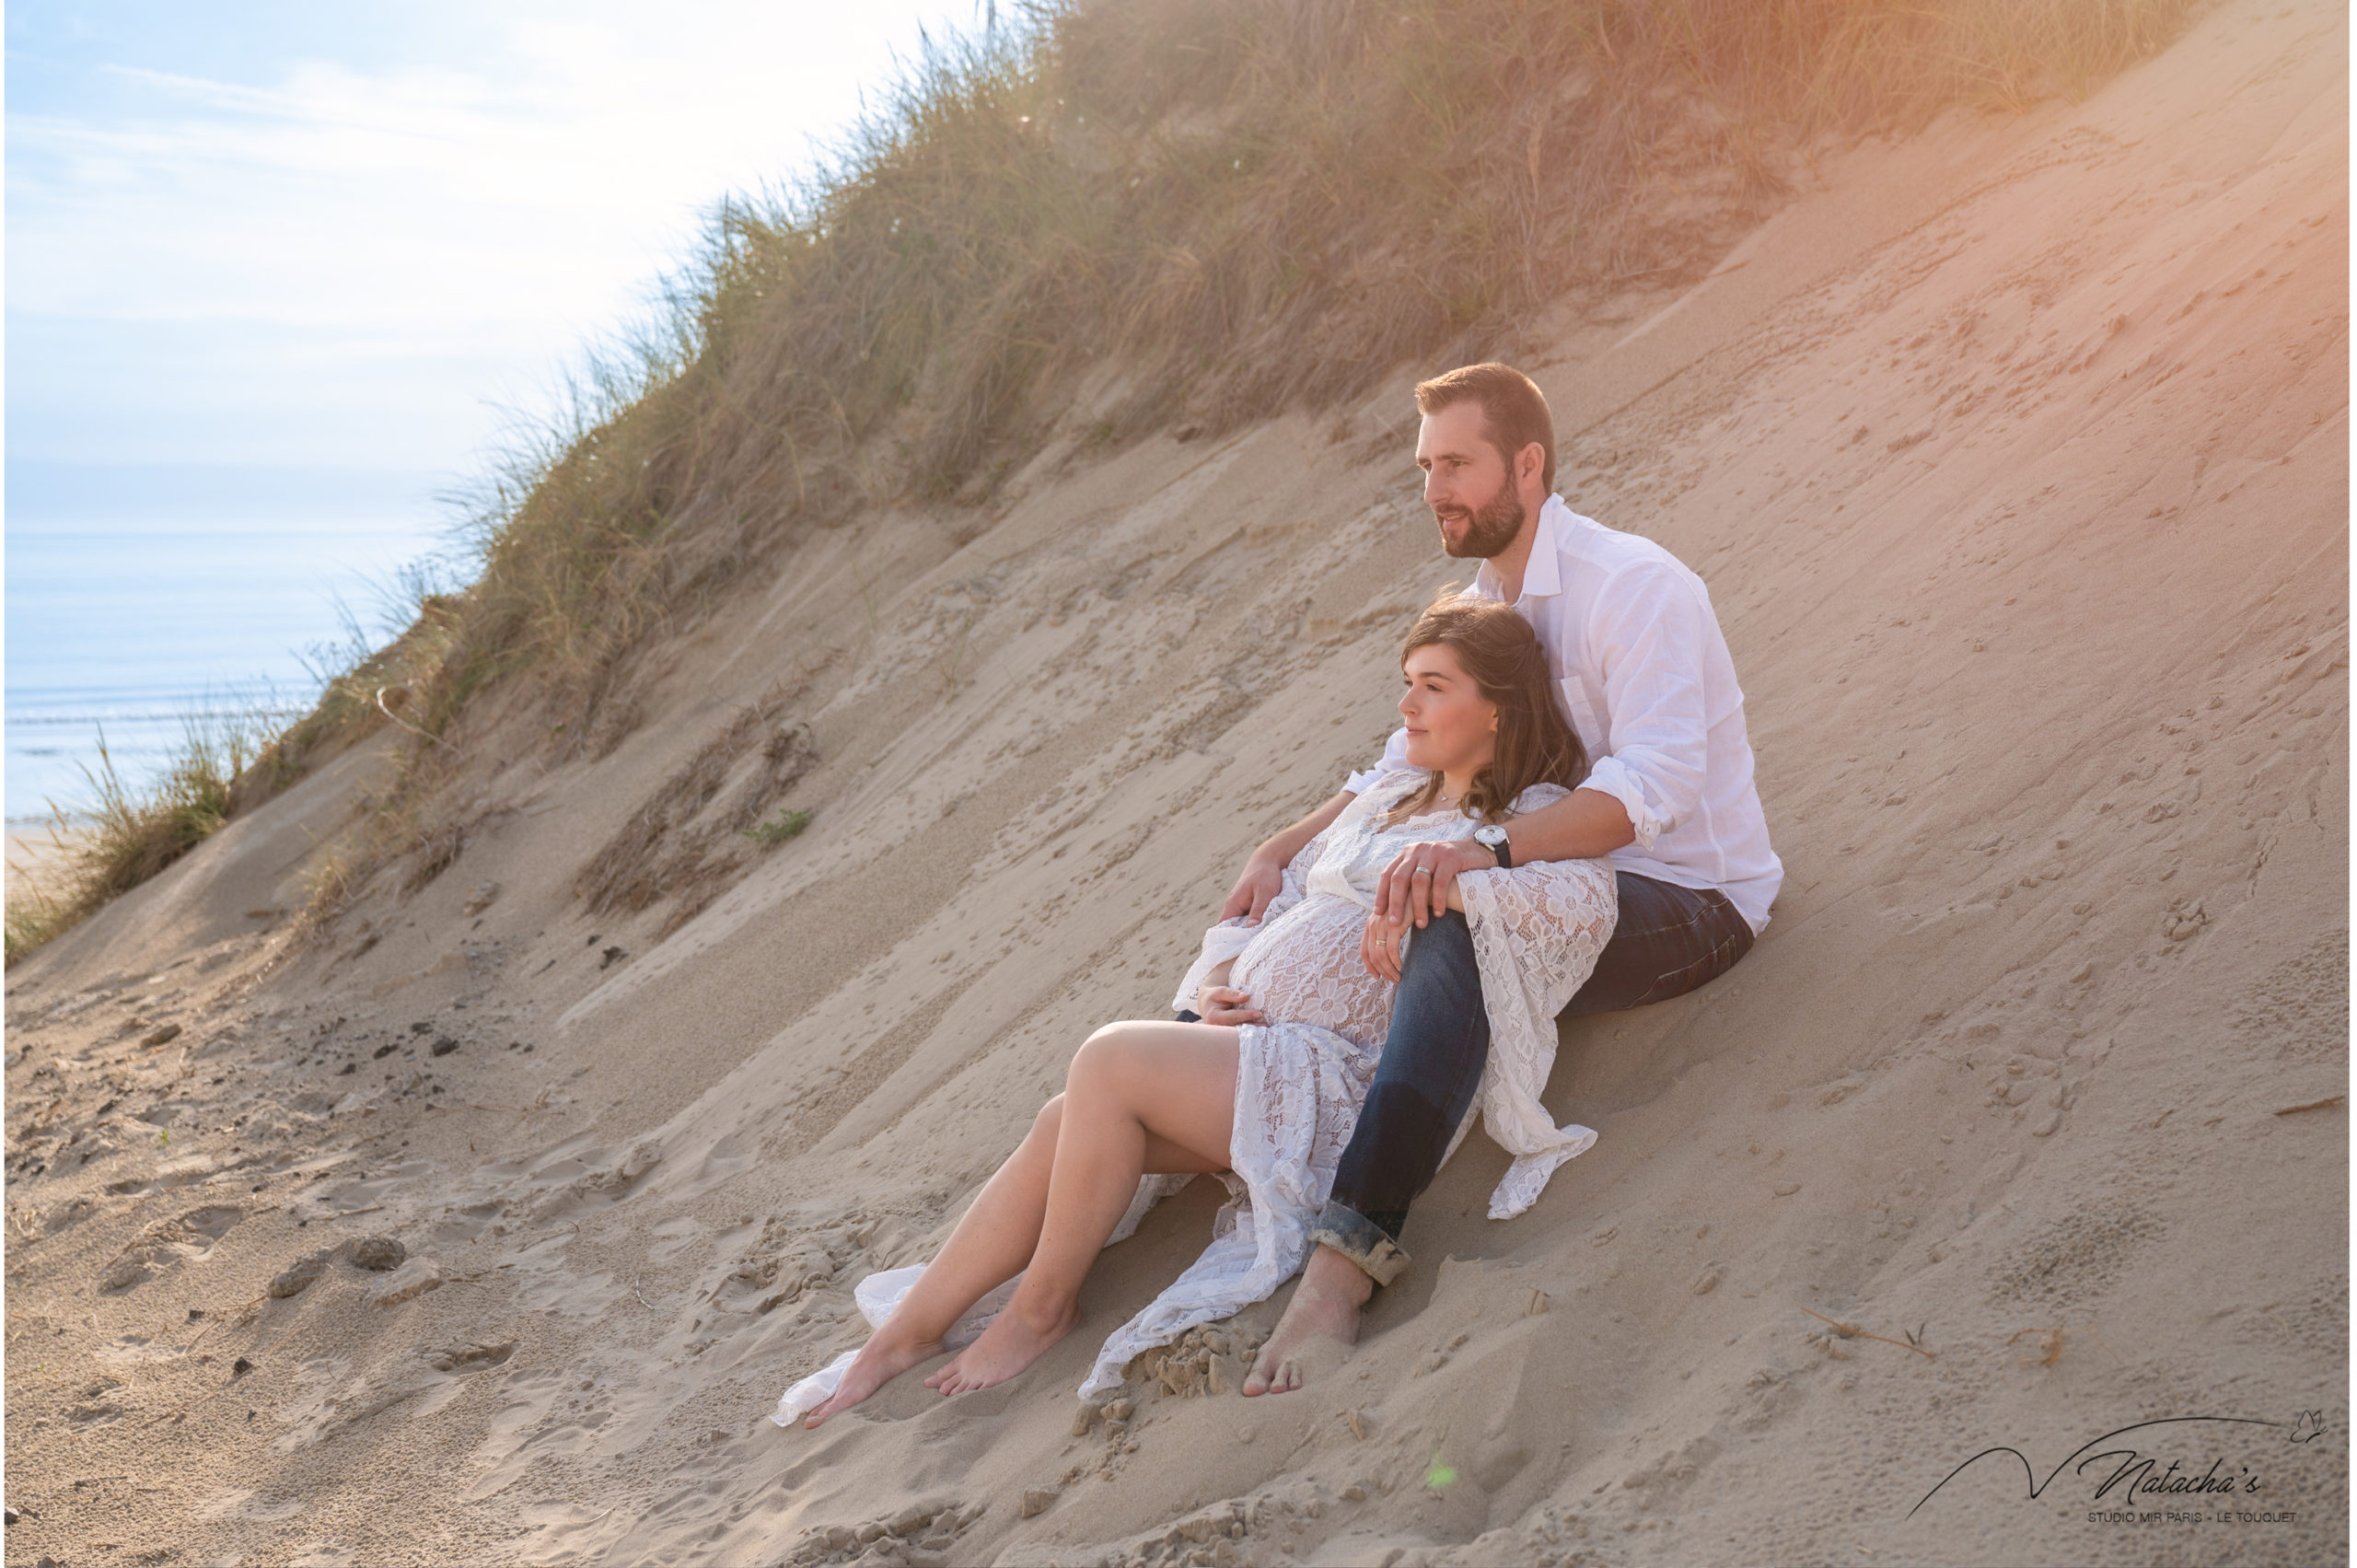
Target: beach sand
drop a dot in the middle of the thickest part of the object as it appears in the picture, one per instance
(2015, 455)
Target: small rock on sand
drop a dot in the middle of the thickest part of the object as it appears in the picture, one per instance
(123, 1273)
(164, 1036)
(1036, 1501)
(444, 1045)
(378, 1253)
(407, 1283)
(298, 1276)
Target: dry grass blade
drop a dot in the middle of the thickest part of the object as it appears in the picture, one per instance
(2053, 1345)
(1851, 1331)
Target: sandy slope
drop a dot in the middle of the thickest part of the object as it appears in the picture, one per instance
(2017, 459)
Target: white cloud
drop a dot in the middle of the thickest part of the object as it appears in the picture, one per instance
(503, 210)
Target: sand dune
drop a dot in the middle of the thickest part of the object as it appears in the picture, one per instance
(2015, 459)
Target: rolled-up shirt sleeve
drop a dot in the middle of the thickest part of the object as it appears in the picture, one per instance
(1649, 648)
(1608, 776)
(1394, 757)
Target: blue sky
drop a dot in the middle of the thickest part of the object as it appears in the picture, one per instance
(342, 244)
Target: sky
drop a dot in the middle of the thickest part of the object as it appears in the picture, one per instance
(281, 252)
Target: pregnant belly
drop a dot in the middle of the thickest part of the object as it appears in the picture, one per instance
(1305, 969)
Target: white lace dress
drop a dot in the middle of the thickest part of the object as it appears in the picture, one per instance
(1301, 1077)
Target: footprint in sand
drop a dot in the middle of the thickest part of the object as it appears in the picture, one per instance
(166, 1242)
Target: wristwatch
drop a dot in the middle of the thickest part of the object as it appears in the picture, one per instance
(1493, 839)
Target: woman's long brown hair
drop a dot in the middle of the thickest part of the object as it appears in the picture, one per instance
(1536, 744)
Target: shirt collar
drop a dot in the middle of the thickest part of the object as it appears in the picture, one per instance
(1541, 574)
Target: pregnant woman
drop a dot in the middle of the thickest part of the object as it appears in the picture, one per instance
(1266, 1090)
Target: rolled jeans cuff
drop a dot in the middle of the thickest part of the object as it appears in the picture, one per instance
(1361, 1240)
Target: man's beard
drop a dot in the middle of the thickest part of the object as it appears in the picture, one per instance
(1489, 530)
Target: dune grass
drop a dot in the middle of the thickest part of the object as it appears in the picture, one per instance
(121, 831)
(1207, 212)
(124, 833)
(1223, 208)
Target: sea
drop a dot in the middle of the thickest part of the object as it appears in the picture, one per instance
(135, 611)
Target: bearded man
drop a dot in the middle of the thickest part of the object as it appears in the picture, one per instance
(1645, 679)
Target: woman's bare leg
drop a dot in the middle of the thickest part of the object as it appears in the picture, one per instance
(1002, 1230)
(1138, 1097)
(989, 1247)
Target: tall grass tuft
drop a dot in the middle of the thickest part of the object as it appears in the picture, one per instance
(123, 833)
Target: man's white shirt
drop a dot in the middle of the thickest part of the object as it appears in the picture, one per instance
(1645, 679)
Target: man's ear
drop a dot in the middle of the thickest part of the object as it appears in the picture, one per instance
(1531, 463)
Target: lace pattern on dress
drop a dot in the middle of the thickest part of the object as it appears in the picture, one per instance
(1536, 931)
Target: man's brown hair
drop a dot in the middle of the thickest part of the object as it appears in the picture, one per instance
(1512, 406)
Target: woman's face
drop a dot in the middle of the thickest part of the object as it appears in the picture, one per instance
(1451, 726)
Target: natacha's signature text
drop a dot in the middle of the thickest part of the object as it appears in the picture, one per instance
(2127, 1474)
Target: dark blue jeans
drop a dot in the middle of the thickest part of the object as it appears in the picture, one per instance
(1668, 940)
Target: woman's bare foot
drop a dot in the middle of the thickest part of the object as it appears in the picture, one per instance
(1011, 1344)
(1321, 1325)
(882, 1359)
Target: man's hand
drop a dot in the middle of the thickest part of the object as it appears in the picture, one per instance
(1262, 880)
(1226, 1005)
(1420, 881)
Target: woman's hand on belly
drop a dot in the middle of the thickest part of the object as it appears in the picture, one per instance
(1226, 1005)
